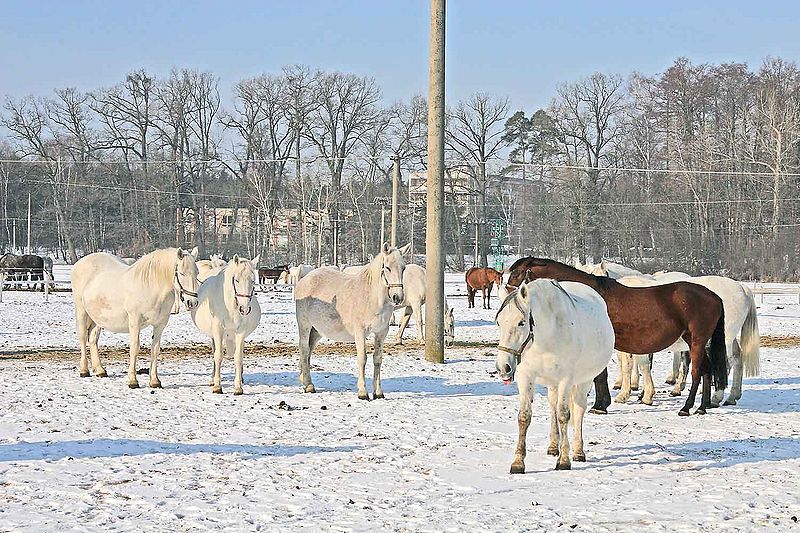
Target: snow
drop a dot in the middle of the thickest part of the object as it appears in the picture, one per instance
(91, 454)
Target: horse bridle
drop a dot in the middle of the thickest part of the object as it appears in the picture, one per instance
(528, 339)
(248, 296)
(182, 290)
(389, 286)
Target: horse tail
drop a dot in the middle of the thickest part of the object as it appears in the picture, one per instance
(717, 354)
(750, 339)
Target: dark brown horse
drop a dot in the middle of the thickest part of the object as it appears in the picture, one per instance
(483, 279)
(650, 319)
(271, 274)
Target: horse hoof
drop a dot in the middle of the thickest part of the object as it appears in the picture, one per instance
(379, 396)
(646, 402)
(238, 392)
(85, 374)
(729, 402)
(598, 411)
(102, 374)
(579, 457)
(635, 387)
(552, 450)
(217, 390)
(674, 393)
(155, 385)
(620, 399)
(563, 466)
(517, 468)
(683, 412)
(310, 388)
(133, 385)
(617, 387)
(363, 396)
(670, 382)
(713, 405)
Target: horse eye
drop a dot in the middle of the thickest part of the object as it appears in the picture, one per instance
(388, 269)
(521, 323)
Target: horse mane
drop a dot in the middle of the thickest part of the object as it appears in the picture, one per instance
(157, 267)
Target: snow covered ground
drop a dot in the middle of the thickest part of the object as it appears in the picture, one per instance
(90, 454)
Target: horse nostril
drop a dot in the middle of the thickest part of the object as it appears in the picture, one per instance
(508, 368)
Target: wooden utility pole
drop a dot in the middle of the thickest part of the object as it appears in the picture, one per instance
(28, 250)
(434, 251)
(395, 197)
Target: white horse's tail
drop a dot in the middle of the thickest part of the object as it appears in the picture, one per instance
(750, 339)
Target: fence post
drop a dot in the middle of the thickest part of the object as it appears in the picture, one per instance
(2, 283)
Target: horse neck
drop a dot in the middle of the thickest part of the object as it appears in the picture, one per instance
(562, 272)
(371, 277)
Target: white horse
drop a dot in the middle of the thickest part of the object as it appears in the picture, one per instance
(741, 336)
(608, 268)
(296, 273)
(348, 307)
(414, 290)
(228, 312)
(206, 266)
(111, 295)
(558, 334)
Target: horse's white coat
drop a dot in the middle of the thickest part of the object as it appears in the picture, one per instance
(742, 340)
(228, 313)
(572, 341)
(414, 290)
(296, 273)
(206, 266)
(347, 308)
(111, 295)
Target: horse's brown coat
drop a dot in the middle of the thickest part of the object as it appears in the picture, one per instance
(483, 279)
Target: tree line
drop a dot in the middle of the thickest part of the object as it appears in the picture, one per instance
(694, 168)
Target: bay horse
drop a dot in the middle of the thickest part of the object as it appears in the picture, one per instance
(650, 319)
(272, 274)
(483, 279)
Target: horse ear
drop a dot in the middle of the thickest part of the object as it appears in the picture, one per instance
(195, 252)
(255, 260)
(386, 248)
(405, 249)
(576, 262)
(235, 259)
(450, 312)
(523, 291)
(180, 253)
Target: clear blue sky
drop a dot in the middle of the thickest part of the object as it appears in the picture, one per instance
(514, 48)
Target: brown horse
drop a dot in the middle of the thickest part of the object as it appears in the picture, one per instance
(650, 319)
(483, 279)
(271, 274)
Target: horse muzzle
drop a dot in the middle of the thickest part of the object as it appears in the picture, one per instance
(244, 311)
(448, 341)
(191, 303)
(506, 373)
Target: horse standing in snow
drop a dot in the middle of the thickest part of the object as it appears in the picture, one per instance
(111, 295)
(560, 335)
(483, 279)
(228, 312)
(414, 291)
(205, 267)
(348, 307)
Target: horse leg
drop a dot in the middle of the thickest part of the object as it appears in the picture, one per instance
(564, 393)
(470, 297)
(307, 343)
(738, 371)
(602, 396)
(489, 297)
(403, 323)
(635, 373)
(377, 359)
(683, 371)
(483, 295)
(216, 386)
(81, 325)
(134, 329)
(552, 397)
(213, 365)
(155, 352)
(578, 410)
(649, 390)
(524, 421)
(624, 393)
(94, 339)
(697, 354)
(676, 365)
(238, 353)
(361, 352)
(418, 319)
(618, 382)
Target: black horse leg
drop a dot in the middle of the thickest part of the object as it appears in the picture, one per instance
(705, 400)
(693, 390)
(602, 395)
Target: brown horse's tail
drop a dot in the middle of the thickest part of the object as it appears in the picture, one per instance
(718, 355)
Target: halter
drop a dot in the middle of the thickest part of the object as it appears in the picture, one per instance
(248, 296)
(528, 339)
(389, 286)
(182, 290)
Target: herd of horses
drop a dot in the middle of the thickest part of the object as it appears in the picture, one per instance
(559, 325)
(26, 267)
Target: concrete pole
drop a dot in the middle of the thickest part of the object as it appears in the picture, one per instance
(434, 250)
(395, 198)
(383, 224)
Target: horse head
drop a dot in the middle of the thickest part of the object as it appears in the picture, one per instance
(392, 267)
(516, 332)
(186, 283)
(242, 275)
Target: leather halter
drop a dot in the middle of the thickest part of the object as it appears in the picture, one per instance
(528, 339)
(248, 296)
(182, 290)
(389, 286)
